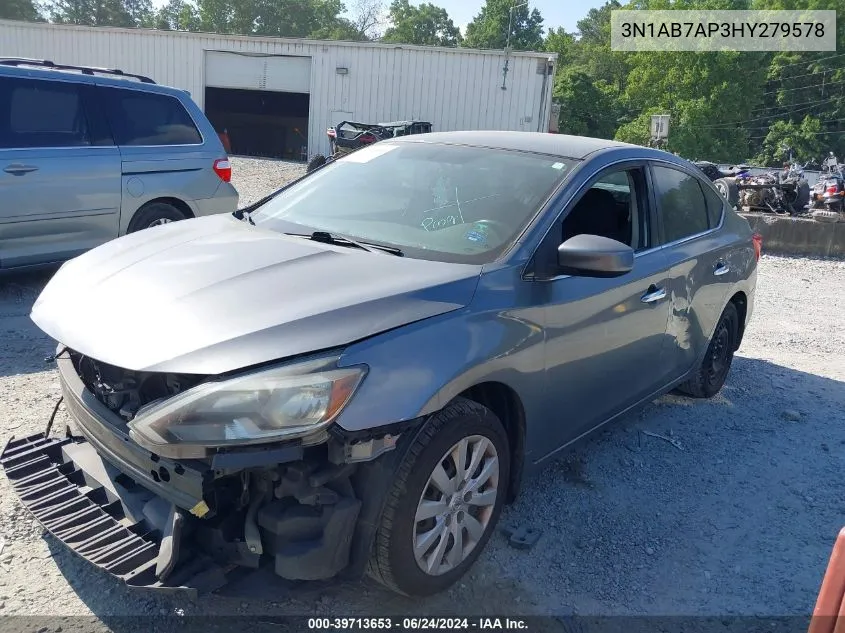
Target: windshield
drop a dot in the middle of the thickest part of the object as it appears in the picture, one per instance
(448, 203)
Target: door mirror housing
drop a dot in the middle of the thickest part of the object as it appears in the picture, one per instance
(594, 256)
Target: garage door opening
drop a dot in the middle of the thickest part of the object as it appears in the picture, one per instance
(261, 123)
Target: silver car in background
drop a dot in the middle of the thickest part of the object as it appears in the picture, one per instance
(89, 154)
(355, 374)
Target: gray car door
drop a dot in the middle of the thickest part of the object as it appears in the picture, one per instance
(59, 173)
(606, 337)
(700, 260)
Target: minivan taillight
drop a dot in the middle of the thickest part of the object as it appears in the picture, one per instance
(757, 239)
(223, 168)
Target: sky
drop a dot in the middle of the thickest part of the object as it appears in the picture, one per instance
(565, 13)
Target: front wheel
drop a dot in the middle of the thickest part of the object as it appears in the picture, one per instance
(711, 374)
(445, 501)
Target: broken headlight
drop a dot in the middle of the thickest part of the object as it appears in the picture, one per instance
(263, 406)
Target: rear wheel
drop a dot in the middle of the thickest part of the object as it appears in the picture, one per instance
(154, 214)
(727, 187)
(711, 374)
(445, 501)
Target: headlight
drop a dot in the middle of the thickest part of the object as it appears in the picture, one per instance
(264, 406)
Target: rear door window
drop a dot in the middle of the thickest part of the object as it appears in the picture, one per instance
(37, 113)
(680, 198)
(148, 119)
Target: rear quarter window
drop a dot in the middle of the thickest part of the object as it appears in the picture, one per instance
(715, 206)
(143, 118)
(683, 209)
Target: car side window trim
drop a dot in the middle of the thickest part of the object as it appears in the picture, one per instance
(687, 238)
(543, 248)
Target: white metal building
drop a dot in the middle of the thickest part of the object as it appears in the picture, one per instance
(286, 92)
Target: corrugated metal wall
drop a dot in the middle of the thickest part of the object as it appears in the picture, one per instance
(455, 89)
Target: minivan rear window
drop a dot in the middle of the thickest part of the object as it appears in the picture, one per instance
(143, 118)
(38, 113)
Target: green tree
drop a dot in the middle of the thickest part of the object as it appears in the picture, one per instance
(801, 84)
(90, 12)
(489, 29)
(177, 15)
(340, 29)
(279, 18)
(607, 67)
(585, 109)
(803, 139)
(704, 93)
(20, 10)
(564, 44)
(424, 25)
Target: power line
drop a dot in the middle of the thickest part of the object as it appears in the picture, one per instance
(794, 105)
(831, 83)
(818, 72)
(751, 138)
(813, 133)
(812, 61)
(809, 106)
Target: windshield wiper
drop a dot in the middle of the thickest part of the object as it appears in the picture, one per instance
(343, 240)
(244, 214)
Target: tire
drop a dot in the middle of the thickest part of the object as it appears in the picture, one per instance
(711, 374)
(825, 215)
(393, 561)
(316, 162)
(727, 187)
(154, 214)
(802, 196)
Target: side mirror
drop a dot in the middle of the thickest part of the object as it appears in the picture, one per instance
(595, 256)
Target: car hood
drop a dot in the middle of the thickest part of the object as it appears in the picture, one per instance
(216, 294)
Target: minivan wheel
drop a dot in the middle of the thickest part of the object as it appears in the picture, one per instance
(713, 371)
(444, 503)
(154, 214)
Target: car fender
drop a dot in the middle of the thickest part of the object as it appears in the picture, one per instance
(418, 369)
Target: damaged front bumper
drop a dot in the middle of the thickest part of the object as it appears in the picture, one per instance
(188, 525)
(84, 503)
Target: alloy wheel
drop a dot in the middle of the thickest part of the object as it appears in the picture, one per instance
(456, 505)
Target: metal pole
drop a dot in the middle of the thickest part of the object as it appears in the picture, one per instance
(508, 43)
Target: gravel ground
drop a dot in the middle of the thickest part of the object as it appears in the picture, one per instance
(738, 518)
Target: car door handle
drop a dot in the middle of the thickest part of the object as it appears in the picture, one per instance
(20, 170)
(653, 294)
(721, 269)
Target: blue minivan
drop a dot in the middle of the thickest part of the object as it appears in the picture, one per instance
(88, 154)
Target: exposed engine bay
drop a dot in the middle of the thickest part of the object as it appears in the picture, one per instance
(124, 391)
(162, 523)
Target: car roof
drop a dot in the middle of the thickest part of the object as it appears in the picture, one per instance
(32, 72)
(578, 147)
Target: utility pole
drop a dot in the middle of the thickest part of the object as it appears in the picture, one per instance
(508, 44)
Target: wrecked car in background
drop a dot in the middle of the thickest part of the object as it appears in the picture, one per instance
(343, 381)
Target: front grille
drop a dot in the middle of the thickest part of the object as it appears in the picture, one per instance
(125, 391)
